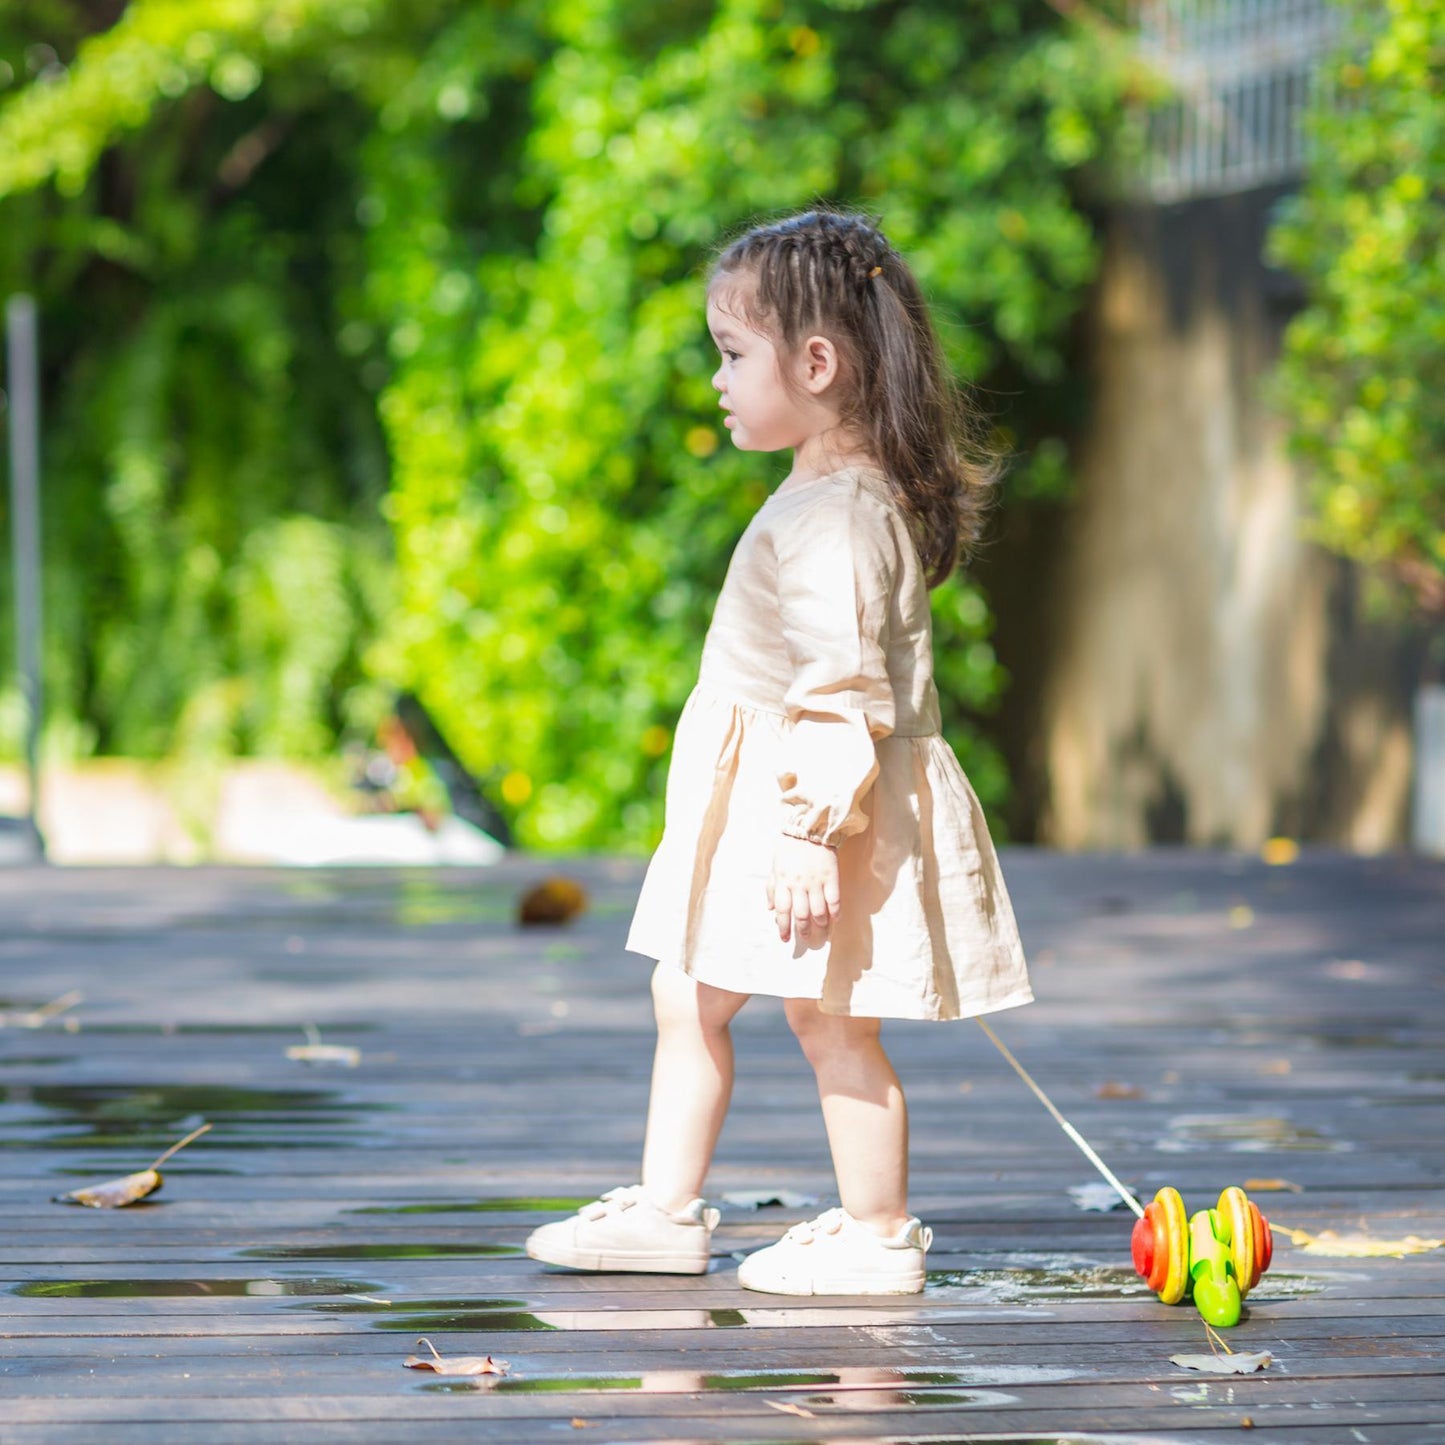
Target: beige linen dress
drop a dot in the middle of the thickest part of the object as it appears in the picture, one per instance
(815, 714)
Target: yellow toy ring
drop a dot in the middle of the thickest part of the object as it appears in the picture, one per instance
(1176, 1239)
(1235, 1214)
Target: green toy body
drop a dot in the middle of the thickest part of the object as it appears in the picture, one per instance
(1211, 1271)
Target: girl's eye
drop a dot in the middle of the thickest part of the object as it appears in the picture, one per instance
(730, 355)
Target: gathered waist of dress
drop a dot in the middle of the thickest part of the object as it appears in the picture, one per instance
(708, 694)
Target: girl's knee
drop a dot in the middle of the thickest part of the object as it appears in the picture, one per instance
(679, 1001)
(825, 1036)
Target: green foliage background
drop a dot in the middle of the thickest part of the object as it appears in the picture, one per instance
(1363, 379)
(375, 357)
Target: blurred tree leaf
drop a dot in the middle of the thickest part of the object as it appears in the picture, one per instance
(1361, 378)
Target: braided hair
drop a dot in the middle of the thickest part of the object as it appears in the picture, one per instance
(836, 273)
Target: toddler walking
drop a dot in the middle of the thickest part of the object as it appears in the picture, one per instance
(820, 841)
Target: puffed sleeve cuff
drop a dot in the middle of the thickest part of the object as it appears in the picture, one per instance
(832, 766)
(836, 566)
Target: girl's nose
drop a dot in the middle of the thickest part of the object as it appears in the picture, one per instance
(717, 384)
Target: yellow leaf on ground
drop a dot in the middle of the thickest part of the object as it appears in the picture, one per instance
(1357, 1246)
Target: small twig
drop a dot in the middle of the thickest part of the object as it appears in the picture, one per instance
(176, 1148)
(37, 1017)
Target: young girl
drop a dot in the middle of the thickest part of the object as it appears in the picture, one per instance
(821, 842)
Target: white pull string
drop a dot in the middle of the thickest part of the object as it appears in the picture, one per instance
(1062, 1122)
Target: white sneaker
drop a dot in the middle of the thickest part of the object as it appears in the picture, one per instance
(626, 1231)
(834, 1254)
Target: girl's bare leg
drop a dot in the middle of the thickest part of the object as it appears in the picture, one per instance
(692, 1082)
(864, 1111)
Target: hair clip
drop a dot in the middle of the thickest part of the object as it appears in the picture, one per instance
(876, 271)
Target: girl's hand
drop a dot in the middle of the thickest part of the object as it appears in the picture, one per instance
(803, 891)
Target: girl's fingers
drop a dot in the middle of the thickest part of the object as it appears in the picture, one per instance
(822, 915)
(783, 912)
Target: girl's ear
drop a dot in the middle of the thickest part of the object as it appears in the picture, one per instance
(817, 364)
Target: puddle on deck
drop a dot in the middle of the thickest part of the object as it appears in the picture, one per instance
(1051, 1281)
(383, 1251)
(192, 1288)
(887, 1386)
(148, 1116)
(1243, 1134)
(1062, 1279)
(437, 1316)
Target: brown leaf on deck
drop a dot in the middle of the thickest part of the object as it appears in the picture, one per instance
(1111, 1089)
(440, 1364)
(117, 1193)
(553, 900)
(1272, 1186)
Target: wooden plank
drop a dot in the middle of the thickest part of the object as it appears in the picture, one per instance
(472, 1084)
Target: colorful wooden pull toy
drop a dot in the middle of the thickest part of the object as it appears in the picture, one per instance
(1217, 1256)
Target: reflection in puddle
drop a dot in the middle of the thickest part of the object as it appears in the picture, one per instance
(190, 1288)
(383, 1251)
(1242, 1134)
(883, 1385)
(522, 1205)
(439, 1316)
(1054, 1279)
(110, 1116)
(1059, 1279)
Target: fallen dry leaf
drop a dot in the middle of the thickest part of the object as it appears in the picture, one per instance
(553, 900)
(1357, 1246)
(117, 1193)
(456, 1364)
(1236, 1363)
(38, 1017)
(1276, 1066)
(1272, 1186)
(313, 1051)
(1096, 1196)
(1112, 1090)
(788, 1409)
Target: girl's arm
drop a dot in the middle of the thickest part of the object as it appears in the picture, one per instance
(836, 565)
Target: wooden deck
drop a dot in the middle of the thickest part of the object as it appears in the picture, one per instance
(1204, 1020)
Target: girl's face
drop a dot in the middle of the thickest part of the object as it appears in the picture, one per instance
(767, 408)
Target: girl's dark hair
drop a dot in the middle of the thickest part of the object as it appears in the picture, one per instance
(835, 273)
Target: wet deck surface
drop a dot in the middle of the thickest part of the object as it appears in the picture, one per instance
(1204, 1020)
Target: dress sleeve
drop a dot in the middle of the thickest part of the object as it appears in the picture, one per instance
(836, 565)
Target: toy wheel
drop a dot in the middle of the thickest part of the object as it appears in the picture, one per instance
(1263, 1242)
(1238, 1233)
(1171, 1248)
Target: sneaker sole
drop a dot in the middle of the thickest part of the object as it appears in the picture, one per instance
(839, 1284)
(620, 1261)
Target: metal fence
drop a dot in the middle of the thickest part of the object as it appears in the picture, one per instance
(1242, 74)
